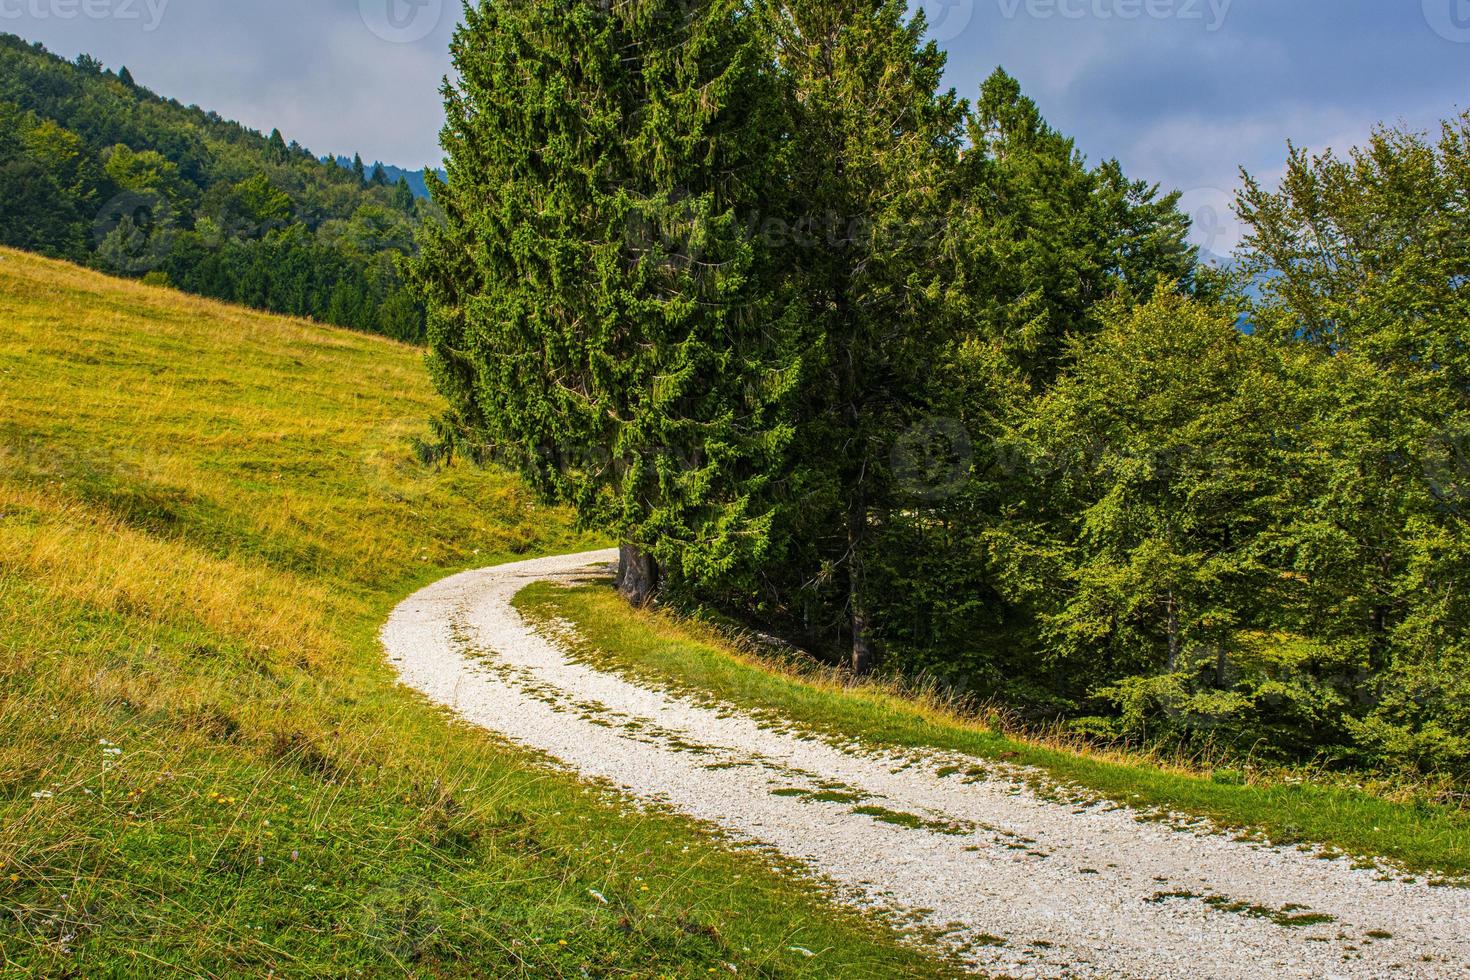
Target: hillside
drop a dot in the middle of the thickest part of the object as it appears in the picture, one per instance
(205, 764)
(97, 169)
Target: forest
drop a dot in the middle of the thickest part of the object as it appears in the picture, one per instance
(97, 169)
(901, 376)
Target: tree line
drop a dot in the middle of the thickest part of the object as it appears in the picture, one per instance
(902, 375)
(97, 169)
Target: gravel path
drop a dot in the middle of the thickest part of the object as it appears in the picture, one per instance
(1018, 880)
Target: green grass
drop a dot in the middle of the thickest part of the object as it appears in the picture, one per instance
(694, 659)
(207, 769)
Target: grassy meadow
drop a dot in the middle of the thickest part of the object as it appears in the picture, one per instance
(206, 769)
(1419, 837)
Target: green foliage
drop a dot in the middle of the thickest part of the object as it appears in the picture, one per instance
(1369, 253)
(1043, 244)
(1048, 238)
(1156, 439)
(1173, 529)
(902, 376)
(47, 184)
(598, 316)
(734, 301)
(1257, 540)
(403, 198)
(97, 169)
(1365, 261)
(148, 171)
(876, 147)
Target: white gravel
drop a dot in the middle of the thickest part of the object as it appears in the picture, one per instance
(1016, 881)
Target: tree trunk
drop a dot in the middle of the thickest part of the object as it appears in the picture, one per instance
(1173, 628)
(637, 575)
(862, 639)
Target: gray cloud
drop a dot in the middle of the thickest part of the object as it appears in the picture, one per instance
(1187, 105)
(340, 76)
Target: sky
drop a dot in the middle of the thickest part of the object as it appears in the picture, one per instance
(1182, 92)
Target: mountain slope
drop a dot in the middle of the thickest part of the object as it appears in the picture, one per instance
(205, 764)
(97, 169)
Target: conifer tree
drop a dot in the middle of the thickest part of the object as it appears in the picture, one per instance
(599, 316)
(126, 77)
(403, 195)
(877, 142)
(1047, 238)
(358, 169)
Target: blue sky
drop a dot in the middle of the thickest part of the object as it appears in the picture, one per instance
(1182, 91)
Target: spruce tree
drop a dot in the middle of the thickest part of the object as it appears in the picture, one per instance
(1046, 238)
(877, 142)
(403, 195)
(358, 169)
(380, 176)
(126, 77)
(599, 316)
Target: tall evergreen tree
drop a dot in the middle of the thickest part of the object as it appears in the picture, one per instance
(380, 176)
(1047, 238)
(359, 170)
(403, 195)
(599, 316)
(877, 142)
(126, 77)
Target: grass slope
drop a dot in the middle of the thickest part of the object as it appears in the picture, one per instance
(694, 659)
(205, 766)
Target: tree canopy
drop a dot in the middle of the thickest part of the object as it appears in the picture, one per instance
(908, 380)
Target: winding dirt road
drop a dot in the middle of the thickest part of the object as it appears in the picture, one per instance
(1015, 880)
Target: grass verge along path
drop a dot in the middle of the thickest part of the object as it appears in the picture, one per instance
(691, 659)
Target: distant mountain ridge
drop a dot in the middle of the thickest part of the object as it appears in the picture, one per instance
(415, 178)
